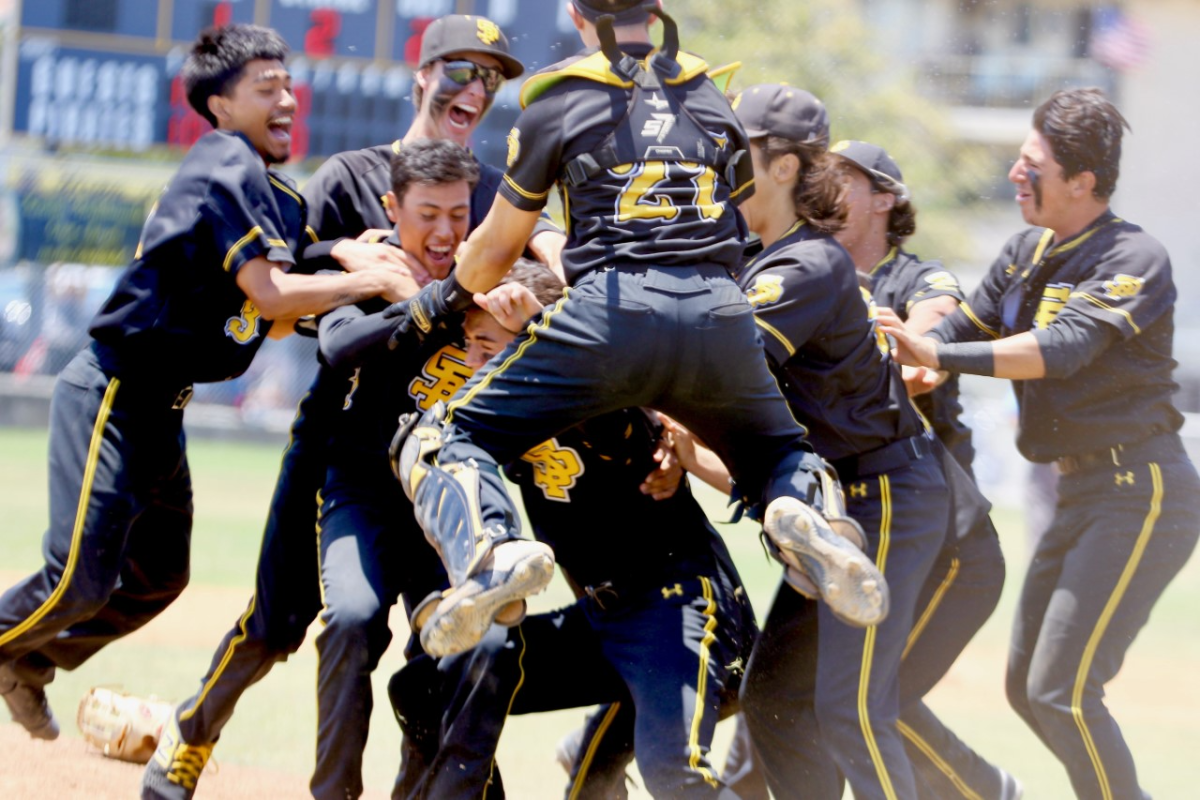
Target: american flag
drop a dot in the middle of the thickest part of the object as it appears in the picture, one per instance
(1119, 42)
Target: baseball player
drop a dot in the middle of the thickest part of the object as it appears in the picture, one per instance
(651, 319)
(809, 668)
(209, 278)
(1078, 311)
(964, 585)
(345, 199)
(664, 634)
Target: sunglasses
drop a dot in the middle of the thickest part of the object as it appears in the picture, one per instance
(463, 72)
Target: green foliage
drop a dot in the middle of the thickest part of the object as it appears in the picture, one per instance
(826, 47)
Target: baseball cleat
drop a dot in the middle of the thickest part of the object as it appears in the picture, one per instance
(175, 767)
(28, 705)
(512, 571)
(845, 577)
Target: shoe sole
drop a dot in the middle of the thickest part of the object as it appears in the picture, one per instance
(466, 613)
(848, 581)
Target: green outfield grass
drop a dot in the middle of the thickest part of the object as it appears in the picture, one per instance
(1155, 699)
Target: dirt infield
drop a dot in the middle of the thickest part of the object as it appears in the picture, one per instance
(68, 768)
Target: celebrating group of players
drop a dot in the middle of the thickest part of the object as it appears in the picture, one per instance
(592, 369)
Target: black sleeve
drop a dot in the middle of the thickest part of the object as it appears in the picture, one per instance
(534, 150)
(348, 335)
(1073, 341)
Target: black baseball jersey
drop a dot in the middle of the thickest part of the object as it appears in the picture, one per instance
(900, 281)
(650, 210)
(1113, 273)
(831, 362)
(580, 491)
(177, 310)
(346, 194)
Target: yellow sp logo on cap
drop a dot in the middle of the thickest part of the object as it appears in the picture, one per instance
(1123, 286)
(487, 31)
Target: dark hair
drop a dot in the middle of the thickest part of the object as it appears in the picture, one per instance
(820, 195)
(432, 162)
(219, 58)
(1084, 131)
(902, 222)
(537, 278)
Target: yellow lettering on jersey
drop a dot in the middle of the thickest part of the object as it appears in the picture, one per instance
(349, 401)
(244, 327)
(1122, 286)
(873, 315)
(943, 281)
(705, 181)
(638, 200)
(858, 489)
(555, 469)
(667, 591)
(1053, 299)
(767, 289)
(443, 375)
(1125, 479)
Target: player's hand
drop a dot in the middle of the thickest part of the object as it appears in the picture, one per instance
(512, 304)
(682, 442)
(374, 235)
(397, 286)
(922, 380)
(355, 256)
(664, 481)
(911, 349)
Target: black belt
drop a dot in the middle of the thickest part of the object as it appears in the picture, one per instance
(884, 459)
(1161, 445)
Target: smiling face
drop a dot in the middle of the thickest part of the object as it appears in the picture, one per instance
(431, 222)
(485, 337)
(1043, 194)
(260, 106)
(450, 110)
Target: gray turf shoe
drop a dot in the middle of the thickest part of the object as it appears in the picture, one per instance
(846, 578)
(175, 767)
(512, 571)
(28, 706)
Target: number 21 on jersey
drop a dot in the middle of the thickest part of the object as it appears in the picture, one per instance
(652, 189)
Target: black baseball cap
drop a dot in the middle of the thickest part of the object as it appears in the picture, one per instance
(776, 109)
(463, 33)
(624, 12)
(875, 163)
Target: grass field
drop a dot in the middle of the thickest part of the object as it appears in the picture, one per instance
(1154, 698)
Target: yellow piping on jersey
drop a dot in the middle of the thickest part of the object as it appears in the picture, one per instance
(891, 256)
(966, 309)
(771, 329)
(593, 745)
(312, 234)
(283, 187)
(239, 244)
(1101, 304)
(710, 625)
(1089, 652)
(864, 679)
(85, 495)
(596, 68)
(934, 603)
(525, 193)
(532, 332)
(940, 763)
(1043, 243)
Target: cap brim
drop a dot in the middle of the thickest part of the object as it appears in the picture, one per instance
(756, 133)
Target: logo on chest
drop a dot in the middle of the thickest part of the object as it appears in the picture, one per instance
(556, 469)
(443, 375)
(1054, 297)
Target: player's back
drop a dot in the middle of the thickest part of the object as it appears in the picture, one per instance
(641, 171)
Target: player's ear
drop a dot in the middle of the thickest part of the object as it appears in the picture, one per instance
(785, 167)
(576, 17)
(1083, 184)
(882, 202)
(218, 106)
(391, 205)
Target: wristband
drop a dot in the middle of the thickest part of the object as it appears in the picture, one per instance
(970, 358)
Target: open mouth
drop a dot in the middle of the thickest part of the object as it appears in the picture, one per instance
(439, 256)
(280, 129)
(462, 115)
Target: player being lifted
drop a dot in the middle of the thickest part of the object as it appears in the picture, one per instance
(209, 278)
(651, 319)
